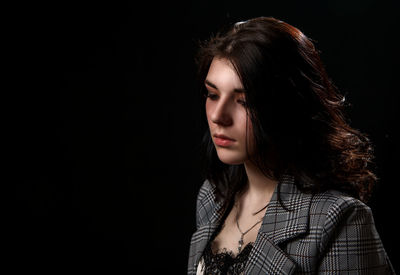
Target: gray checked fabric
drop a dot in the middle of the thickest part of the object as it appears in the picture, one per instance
(326, 233)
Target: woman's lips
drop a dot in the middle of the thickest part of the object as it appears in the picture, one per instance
(223, 141)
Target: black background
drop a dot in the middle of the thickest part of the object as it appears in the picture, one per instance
(106, 122)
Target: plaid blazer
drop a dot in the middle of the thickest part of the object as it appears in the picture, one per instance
(325, 233)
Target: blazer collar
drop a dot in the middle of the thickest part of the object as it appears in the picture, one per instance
(279, 224)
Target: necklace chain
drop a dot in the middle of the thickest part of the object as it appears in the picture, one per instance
(247, 231)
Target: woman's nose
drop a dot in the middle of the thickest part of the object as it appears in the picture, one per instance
(222, 114)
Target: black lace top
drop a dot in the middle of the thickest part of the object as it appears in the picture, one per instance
(224, 262)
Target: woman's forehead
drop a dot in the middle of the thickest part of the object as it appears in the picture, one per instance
(223, 76)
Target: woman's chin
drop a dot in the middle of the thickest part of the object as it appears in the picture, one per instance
(230, 158)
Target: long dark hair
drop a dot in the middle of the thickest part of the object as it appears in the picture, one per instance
(296, 111)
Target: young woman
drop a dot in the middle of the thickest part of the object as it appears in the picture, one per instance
(286, 177)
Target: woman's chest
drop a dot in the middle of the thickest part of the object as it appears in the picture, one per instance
(234, 234)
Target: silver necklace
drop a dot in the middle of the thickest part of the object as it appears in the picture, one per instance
(247, 231)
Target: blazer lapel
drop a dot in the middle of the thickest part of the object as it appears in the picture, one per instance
(279, 225)
(209, 217)
(267, 258)
(199, 241)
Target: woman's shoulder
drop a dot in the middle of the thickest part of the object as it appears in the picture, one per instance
(205, 190)
(206, 206)
(331, 207)
(334, 200)
(342, 224)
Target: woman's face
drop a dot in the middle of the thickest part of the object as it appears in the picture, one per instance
(226, 113)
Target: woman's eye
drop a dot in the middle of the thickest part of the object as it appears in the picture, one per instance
(214, 97)
(242, 102)
(211, 96)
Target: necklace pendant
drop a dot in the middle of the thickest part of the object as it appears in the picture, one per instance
(240, 244)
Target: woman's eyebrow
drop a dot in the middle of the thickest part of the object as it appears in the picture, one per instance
(236, 90)
(210, 84)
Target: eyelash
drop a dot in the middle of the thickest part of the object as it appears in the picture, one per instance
(213, 97)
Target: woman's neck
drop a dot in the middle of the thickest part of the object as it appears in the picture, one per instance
(259, 188)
